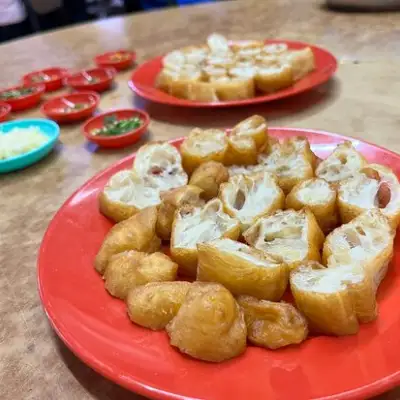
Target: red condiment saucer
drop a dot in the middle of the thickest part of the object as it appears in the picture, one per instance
(110, 59)
(103, 78)
(143, 80)
(5, 109)
(121, 140)
(95, 326)
(26, 101)
(55, 82)
(54, 107)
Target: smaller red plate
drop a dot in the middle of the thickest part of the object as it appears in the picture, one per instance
(143, 79)
(26, 101)
(111, 59)
(53, 108)
(102, 79)
(120, 140)
(56, 78)
(5, 109)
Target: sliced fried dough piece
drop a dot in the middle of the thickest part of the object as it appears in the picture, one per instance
(318, 196)
(272, 325)
(218, 44)
(241, 150)
(160, 165)
(236, 88)
(342, 163)
(201, 146)
(302, 62)
(292, 161)
(366, 241)
(125, 194)
(155, 304)
(249, 197)
(242, 269)
(170, 202)
(334, 300)
(135, 233)
(193, 225)
(275, 48)
(209, 325)
(208, 177)
(174, 60)
(254, 127)
(293, 236)
(375, 186)
(131, 269)
(270, 78)
(245, 169)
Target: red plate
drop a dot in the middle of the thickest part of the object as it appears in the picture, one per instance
(120, 140)
(55, 82)
(96, 328)
(5, 109)
(142, 80)
(103, 79)
(26, 101)
(108, 59)
(53, 107)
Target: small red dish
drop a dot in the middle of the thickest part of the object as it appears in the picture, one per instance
(120, 140)
(97, 79)
(143, 80)
(56, 108)
(5, 109)
(55, 78)
(120, 59)
(25, 101)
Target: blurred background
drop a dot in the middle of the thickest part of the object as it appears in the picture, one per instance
(23, 17)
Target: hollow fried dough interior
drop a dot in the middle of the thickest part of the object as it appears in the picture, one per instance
(366, 241)
(203, 142)
(341, 164)
(314, 192)
(251, 196)
(160, 165)
(284, 234)
(196, 225)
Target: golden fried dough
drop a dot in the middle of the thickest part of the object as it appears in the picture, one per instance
(130, 269)
(125, 194)
(249, 197)
(293, 236)
(254, 127)
(302, 62)
(334, 300)
(209, 325)
(155, 304)
(342, 163)
(135, 233)
(193, 225)
(170, 202)
(273, 77)
(201, 146)
(272, 325)
(374, 186)
(241, 151)
(208, 177)
(242, 269)
(366, 241)
(319, 197)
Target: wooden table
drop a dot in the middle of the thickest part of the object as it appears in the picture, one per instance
(362, 101)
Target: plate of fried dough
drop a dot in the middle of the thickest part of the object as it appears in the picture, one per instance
(252, 262)
(222, 73)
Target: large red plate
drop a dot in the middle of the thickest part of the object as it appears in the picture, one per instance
(96, 328)
(143, 79)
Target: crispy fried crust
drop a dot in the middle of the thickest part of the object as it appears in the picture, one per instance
(155, 304)
(201, 146)
(254, 127)
(242, 269)
(293, 236)
(209, 325)
(241, 151)
(208, 177)
(170, 202)
(135, 233)
(319, 197)
(272, 325)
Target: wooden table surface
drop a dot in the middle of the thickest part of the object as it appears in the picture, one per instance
(362, 101)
